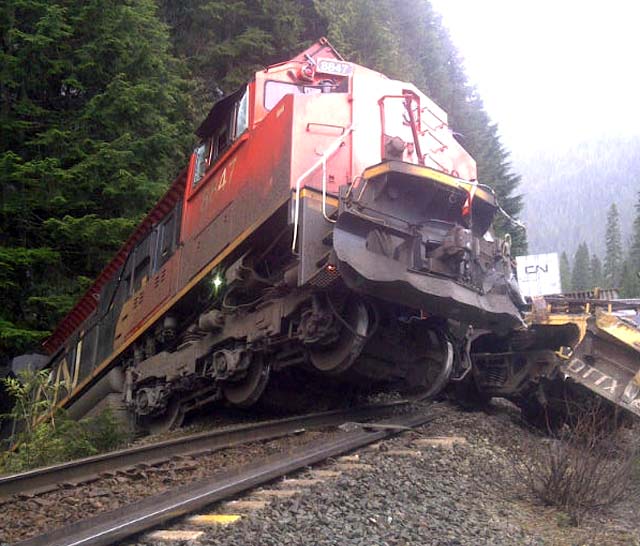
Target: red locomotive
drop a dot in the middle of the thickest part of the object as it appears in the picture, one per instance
(328, 222)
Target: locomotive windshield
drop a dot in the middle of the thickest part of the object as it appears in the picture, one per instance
(274, 91)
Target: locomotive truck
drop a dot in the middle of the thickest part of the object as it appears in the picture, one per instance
(328, 227)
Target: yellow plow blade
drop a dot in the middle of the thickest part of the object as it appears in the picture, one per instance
(607, 360)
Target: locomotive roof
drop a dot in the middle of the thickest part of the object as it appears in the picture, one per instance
(224, 105)
(218, 110)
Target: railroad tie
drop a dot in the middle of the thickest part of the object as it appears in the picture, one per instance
(349, 459)
(293, 483)
(246, 505)
(213, 519)
(443, 442)
(324, 474)
(414, 453)
(277, 493)
(346, 467)
(166, 535)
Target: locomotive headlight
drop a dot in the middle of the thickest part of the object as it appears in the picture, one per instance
(216, 282)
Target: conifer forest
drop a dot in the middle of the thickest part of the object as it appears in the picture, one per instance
(100, 99)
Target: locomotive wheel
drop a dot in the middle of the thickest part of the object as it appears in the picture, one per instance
(249, 389)
(170, 419)
(436, 370)
(353, 333)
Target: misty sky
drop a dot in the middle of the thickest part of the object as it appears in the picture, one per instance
(551, 72)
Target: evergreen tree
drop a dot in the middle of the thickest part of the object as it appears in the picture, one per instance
(629, 280)
(634, 250)
(613, 257)
(565, 273)
(580, 278)
(362, 30)
(223, 43)
(631, 271)
(595, 272)
(93, 124)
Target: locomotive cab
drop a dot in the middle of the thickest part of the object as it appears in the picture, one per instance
(225, 123)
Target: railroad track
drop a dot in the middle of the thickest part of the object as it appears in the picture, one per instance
(42, 480)
(110, 527)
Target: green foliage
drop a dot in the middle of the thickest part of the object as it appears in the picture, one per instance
(629, 280)
(581, 278)
(613, 257)
(634, 251)
(631, 272)
(223, 43)
(94, 123)
(33, 395)
(98, 99)
(595, 272)
(66, 440)
(45, 437)
(105, 432)
(13, 337)
(565, 273)
(363, 32)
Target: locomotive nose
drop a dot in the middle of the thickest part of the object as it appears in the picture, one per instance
(402, 236)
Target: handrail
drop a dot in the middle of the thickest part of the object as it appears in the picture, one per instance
(322, 161)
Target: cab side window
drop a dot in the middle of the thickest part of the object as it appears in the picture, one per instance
(166, 238)
(242, 115)
(203, 152)
(275, 90)
(231, 122)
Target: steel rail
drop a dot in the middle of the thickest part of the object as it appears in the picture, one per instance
(87, 469)
(126, 521)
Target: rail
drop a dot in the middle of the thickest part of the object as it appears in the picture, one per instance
(49, 478)
(124, 522)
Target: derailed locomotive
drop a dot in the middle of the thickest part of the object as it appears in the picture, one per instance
(328, 222)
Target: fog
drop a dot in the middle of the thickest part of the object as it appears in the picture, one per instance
(551, 72)
(562, 81)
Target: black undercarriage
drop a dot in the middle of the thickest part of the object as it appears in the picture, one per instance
(385, 292)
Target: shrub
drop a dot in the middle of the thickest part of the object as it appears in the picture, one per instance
(45, 435)
(580, 468)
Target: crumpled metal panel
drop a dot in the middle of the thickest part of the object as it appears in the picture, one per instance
(401, 236)
(388, 279)
(607, 360)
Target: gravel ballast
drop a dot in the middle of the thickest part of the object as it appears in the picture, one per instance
(399, 492)
(465, 495)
